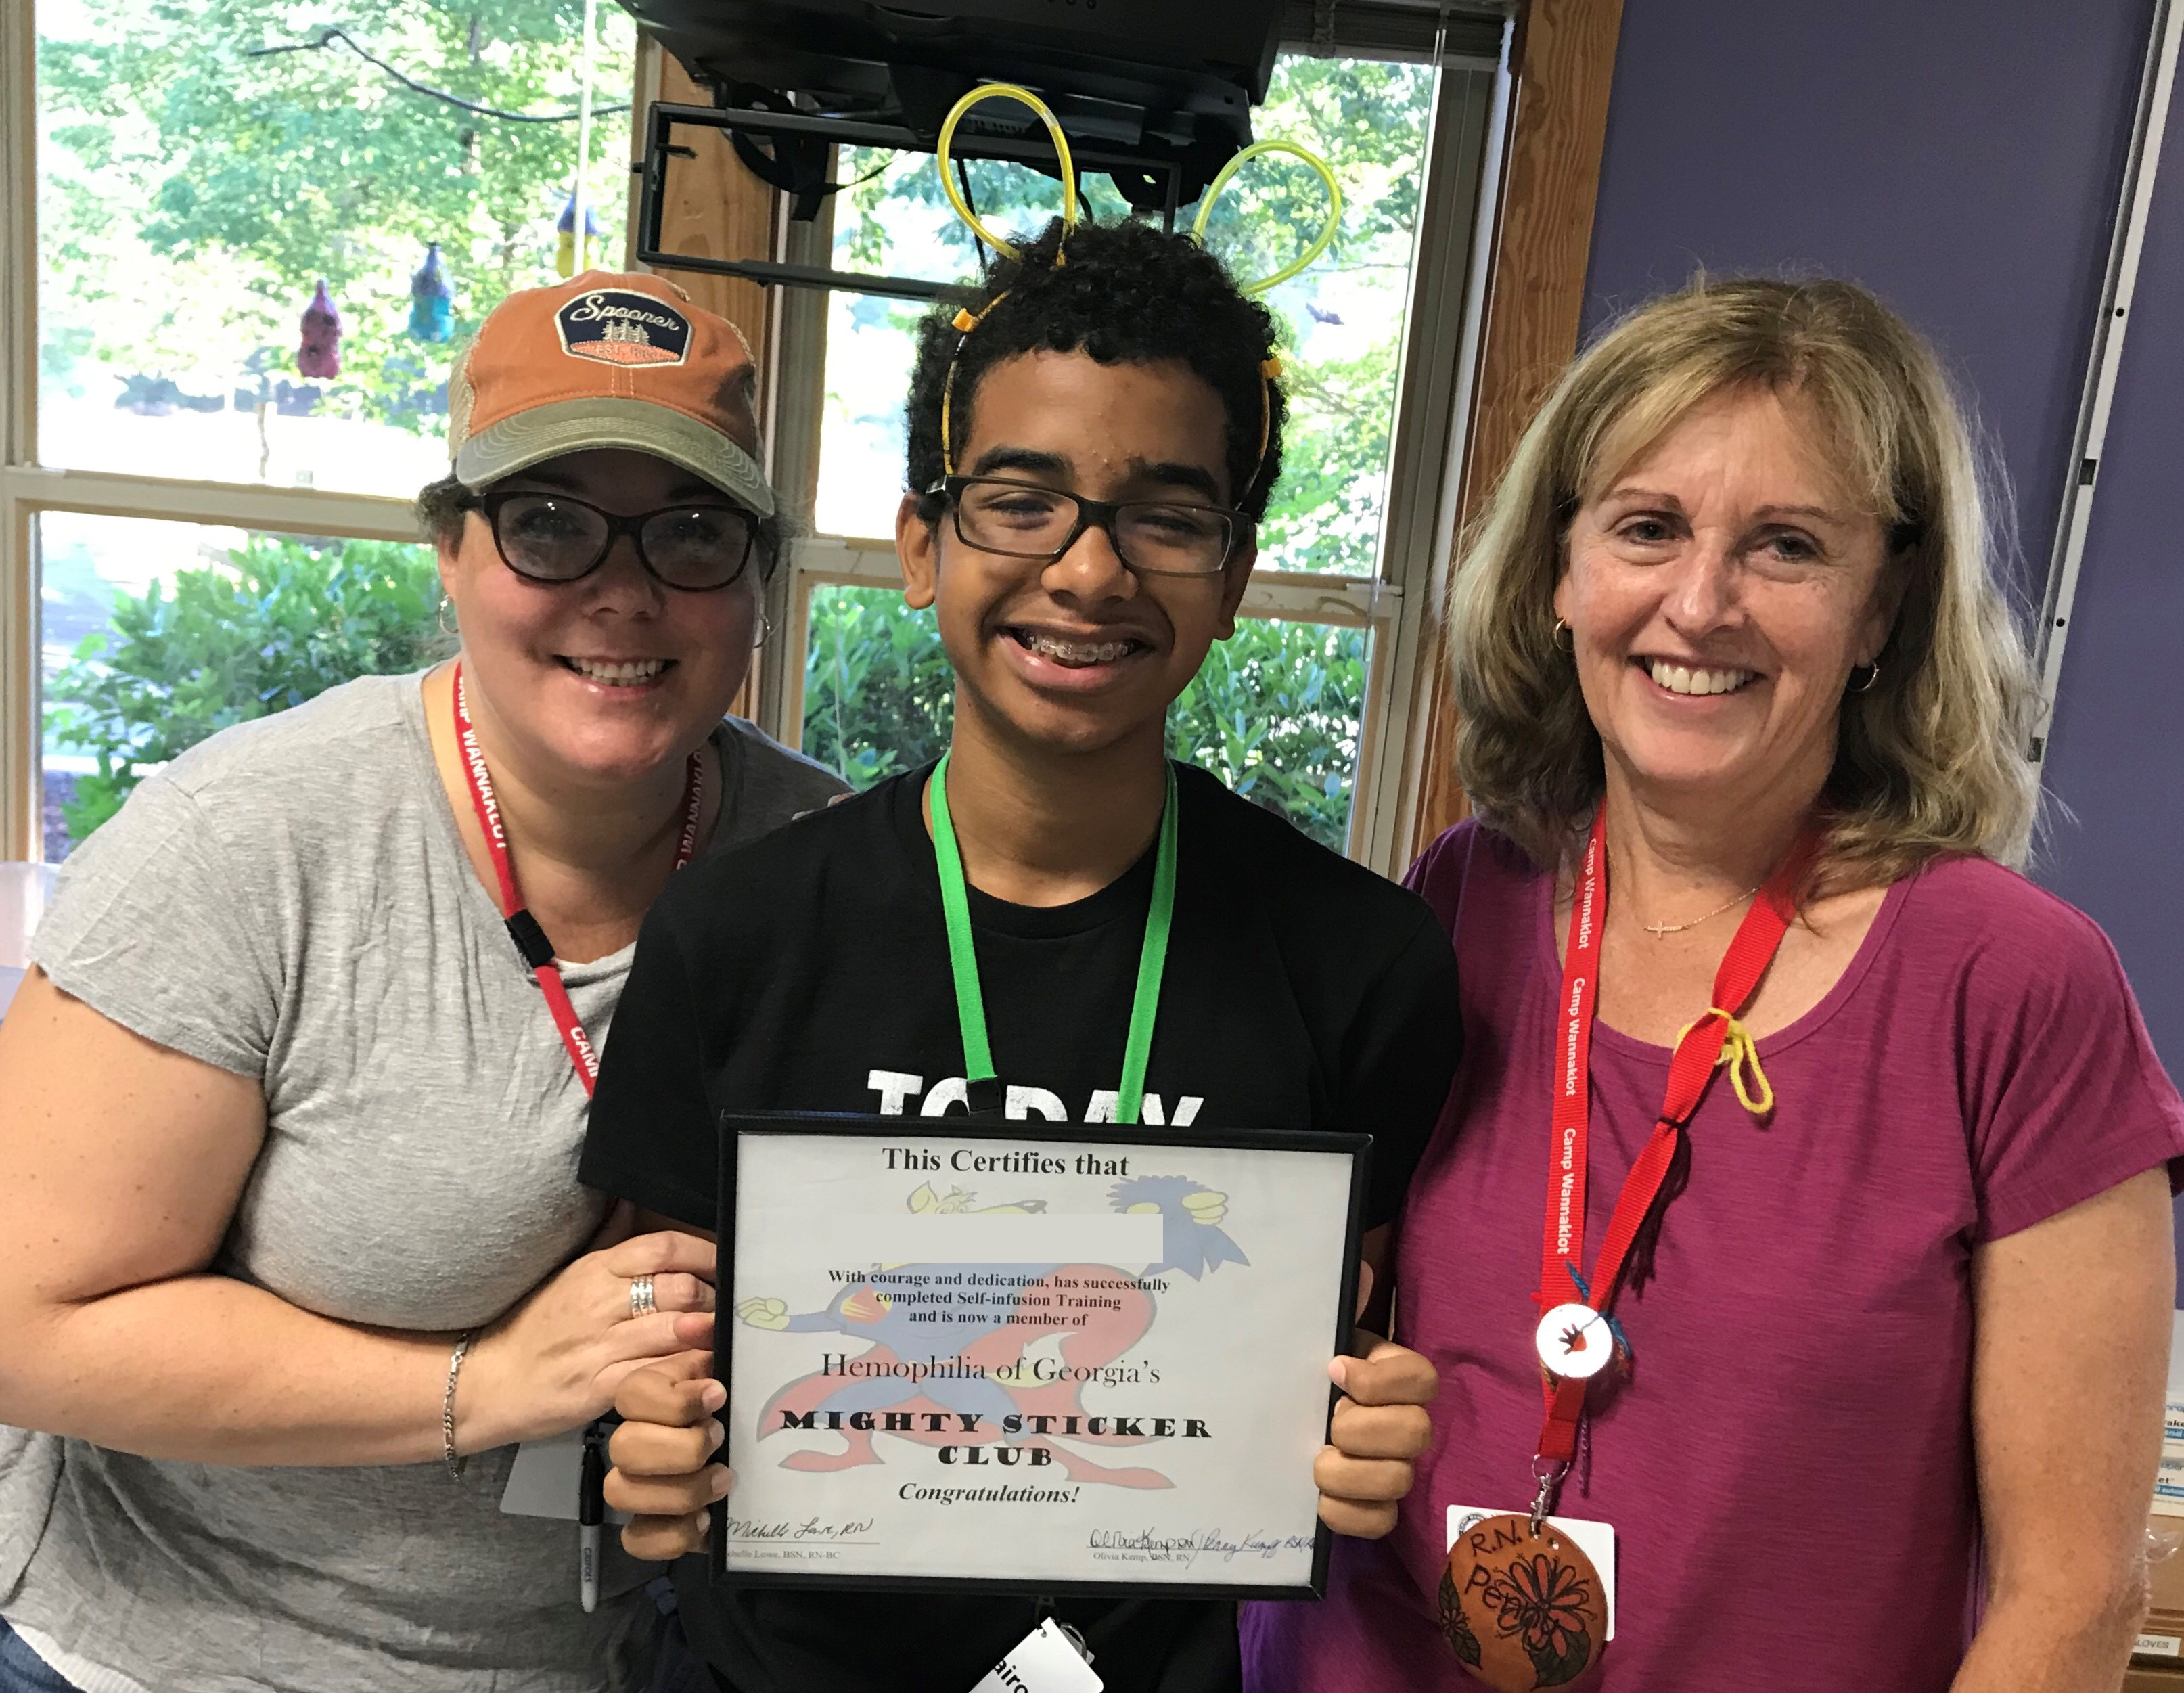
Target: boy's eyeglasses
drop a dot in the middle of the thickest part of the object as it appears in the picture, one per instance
(553, 537)
(1152, 536)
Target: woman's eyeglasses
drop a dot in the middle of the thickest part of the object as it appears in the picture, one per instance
(554, 537)
(1153, 537)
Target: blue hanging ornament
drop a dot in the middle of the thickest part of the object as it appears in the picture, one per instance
(319, 355)
(566, 262)
(431, 299)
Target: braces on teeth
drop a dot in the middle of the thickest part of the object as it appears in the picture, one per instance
(1076, 653)
(644, 670)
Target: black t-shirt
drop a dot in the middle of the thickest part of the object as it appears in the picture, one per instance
(809, 972)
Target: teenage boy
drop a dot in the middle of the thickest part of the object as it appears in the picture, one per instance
(1084, 531)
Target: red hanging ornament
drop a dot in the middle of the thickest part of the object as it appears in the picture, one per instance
(319, 355)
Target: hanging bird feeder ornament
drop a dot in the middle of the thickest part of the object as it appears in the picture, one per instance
(319, 355)
(566, 260)
(431, 299)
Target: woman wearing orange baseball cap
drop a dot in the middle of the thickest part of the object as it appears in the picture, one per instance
(293, 1253)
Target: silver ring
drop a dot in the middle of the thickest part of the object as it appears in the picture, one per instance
(641, 1302)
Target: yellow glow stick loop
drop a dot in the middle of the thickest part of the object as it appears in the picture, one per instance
(990, 91)
(1321, 243)
(1740, 1053)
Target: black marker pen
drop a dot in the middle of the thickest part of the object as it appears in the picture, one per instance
(591, 1512)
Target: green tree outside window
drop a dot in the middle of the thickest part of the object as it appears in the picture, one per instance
(196, 183)
(279, 621)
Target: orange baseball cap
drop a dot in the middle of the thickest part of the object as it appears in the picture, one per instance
(606, 360)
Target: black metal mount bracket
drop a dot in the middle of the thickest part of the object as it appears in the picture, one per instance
(662, 120)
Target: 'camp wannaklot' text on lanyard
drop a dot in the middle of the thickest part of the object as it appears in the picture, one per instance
(523, 928)
(982, 1083)
(1576, 1338)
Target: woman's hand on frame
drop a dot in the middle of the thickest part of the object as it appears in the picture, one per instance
(554, 1361)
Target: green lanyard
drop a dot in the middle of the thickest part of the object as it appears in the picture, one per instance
(978, 1073)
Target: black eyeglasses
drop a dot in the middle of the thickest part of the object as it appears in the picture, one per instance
(554, 537)
(1153, 537)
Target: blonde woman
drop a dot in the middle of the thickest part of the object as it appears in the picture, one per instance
(1743, 714)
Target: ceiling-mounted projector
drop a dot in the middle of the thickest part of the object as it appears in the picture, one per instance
(1165, 85)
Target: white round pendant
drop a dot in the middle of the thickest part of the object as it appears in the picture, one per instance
(1574, 1340)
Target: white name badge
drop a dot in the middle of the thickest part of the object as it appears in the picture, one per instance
(1045, 1661)
(545, 1478)
(1596, 1540)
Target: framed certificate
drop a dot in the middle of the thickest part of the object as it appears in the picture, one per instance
(1030, 1356)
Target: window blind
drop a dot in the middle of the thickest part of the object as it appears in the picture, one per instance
(1390, 29)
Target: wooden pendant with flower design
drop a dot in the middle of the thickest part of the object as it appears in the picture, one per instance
(1522, 1610)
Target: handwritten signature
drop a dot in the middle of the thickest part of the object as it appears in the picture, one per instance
(810, 1528)
(1149, 1546)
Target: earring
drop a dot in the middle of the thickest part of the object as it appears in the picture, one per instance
(441, 617)
(765, 629)
(1560, 630)
(1872, 676)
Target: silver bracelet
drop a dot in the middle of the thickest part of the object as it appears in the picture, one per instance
(454, 1460)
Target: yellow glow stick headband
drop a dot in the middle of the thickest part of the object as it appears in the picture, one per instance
(991, 91)
(1320, 242)
(966, 320)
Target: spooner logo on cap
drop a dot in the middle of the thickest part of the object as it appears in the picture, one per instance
(620, 326)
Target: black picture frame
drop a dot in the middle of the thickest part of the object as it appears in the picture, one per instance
(1031, 1131)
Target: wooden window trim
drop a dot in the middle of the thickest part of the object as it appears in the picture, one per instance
(715, 209)
(1562, 61)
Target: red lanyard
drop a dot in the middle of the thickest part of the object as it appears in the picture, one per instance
(1715, 1039)
(530, 939)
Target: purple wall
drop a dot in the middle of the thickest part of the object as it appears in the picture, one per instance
(1959, 156)
(2117, 756)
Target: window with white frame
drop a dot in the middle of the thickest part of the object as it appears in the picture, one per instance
(259, 230)
(1303, 709)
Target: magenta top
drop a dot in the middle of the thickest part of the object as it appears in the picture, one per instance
(1789, 1468)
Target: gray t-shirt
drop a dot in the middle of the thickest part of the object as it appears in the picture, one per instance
(291, 901)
